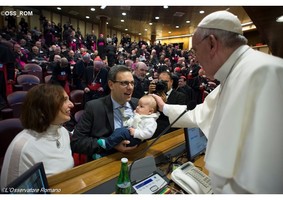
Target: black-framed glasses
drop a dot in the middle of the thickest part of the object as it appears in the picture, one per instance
(125, 83)
(194, 48)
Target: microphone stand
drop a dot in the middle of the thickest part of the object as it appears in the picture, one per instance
(165, 130)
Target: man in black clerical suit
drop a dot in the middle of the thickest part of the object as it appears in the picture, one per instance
(79, 70)
(141, 81)
(101, 116)
(170, 96)
(95, 81)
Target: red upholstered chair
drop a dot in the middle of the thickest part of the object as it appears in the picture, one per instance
(77, 98)
(79, 158)
(15, 101)
(9, 128)
(27, 81)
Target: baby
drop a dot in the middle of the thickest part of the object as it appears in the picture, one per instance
(136, 129)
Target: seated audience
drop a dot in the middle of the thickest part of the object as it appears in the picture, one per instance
(21, 57)
(164, 89)
(141, 82)
(199, 84)
(61, 74)
(185, 88)
(35, 55)
(79, 69)
(94, 81)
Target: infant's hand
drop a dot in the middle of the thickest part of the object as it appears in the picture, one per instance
(132, 131)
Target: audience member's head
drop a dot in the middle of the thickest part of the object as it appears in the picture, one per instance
(182, 81)
(98, 65)
(141, 70)
(57, 50)
(57, 59)
(121, 83)
(45, 104)
(166, 77)
(64, 62)
(86, 58)
(35, 50)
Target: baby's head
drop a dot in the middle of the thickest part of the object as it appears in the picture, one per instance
(147, 105)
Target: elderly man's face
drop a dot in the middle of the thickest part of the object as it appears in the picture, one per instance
(181, 82)
(71, 53)
(57, 58)
(17, 48)
(38, 44)
(201, 49)
(141, 71)
(97, 65)
(35, 50)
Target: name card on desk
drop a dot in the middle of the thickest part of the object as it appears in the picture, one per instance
(146, 178)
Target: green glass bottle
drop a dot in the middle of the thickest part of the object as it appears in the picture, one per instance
(123, 185)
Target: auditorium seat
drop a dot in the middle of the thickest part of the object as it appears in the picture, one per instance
(79, 158)
(77, 98)
(27, 81)
(15, 101)
(9, 128)
(34, 69)
(78, 115)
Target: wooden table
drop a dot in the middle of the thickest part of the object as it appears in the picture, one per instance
(93, 174)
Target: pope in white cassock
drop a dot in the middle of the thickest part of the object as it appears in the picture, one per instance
(243, 117)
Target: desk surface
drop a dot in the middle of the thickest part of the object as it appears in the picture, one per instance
(92, 174)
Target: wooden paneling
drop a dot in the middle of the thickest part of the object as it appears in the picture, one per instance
(264, 18)
(82, 27)
(34, 22)
(139, 17)
(56, 18)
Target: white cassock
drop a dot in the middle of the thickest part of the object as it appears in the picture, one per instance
(243, 121)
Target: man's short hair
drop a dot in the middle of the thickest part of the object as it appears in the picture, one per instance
(86, 57)
(115, 70)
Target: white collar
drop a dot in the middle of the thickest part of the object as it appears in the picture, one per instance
(169, 92)
(227, 67)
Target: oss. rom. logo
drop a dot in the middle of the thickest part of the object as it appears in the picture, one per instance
(13, 13)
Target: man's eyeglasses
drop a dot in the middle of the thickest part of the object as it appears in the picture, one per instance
(125, 83)
(194, 48)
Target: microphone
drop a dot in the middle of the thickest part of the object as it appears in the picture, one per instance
(190, 106)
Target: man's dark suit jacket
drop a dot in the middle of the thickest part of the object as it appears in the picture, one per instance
(175, 97)
(140, 87)
(96, 122)
(79, 70)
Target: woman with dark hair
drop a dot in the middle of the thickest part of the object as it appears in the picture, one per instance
(43, 139)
